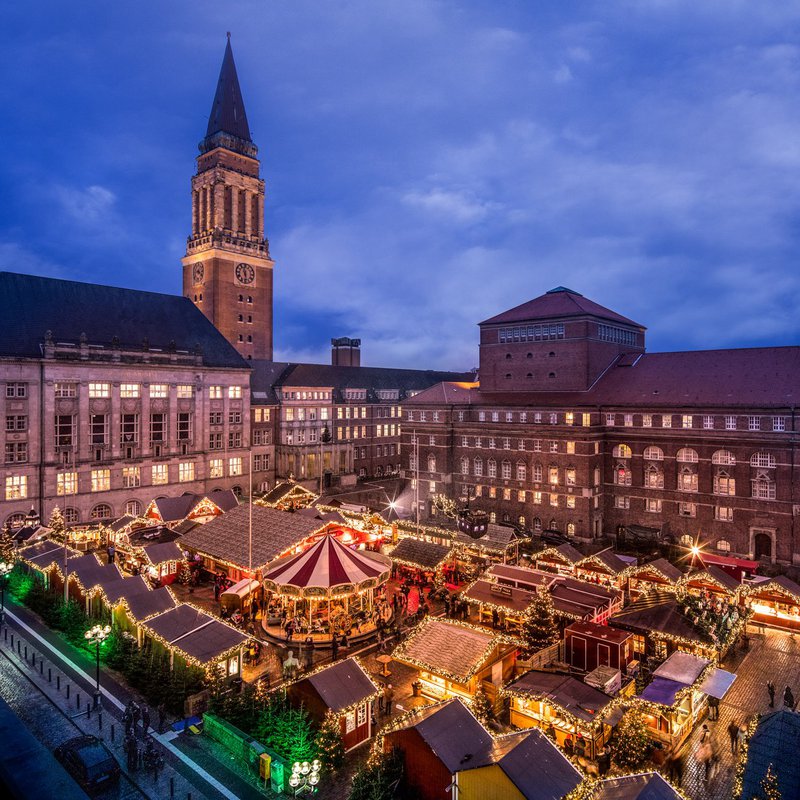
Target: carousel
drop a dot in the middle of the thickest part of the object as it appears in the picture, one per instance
(328, 590)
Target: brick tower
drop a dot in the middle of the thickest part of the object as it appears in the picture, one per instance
(227, 269)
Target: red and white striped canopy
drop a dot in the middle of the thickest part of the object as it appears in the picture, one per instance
(328, 564)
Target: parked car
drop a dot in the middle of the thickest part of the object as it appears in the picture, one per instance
(89, 762)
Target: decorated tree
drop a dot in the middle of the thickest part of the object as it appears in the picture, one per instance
(769, 786)
(58, 528)
(444, 504)
(630, 744)
(330, 744)
(185, 574)
(6, 544)
(482, 706)
(539, 629)
(378, 778)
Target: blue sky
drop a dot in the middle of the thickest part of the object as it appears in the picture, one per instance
(428, 164)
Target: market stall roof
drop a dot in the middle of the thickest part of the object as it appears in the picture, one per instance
(90, 573)
(562, 552)
(144, 605)
(643, 786)
(326, 564)
(606, 561)
(683, 667)
(779, 585)
(122, 588)
(226, 538)
(447, 648)
(660, 567)
(159, 552)
(568, 693)
(507, 597)
(714, 575)
(419, 553)
(120, 523)
(597, 631)
(524, 575)
(776, 742)
(659, 613)
(662, 691)
(195, 633)
(343, 684)
(497, 539)
(728, 561)
(284, 491)
(717, 683)
(174, 509)
(44, 554)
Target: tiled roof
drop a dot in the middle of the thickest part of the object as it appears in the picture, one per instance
(284, 489)
(227, 537)
(644, 786)
(174, 509)
(658, 614)
(343, 684)
(147, 604)
(34, 305)
(446, 647)
(497, 539)
(163, 551)
(559, 303)
(776, 741)
(417, 552)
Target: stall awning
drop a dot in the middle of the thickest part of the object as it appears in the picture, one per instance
(662, 691)
(717, 683)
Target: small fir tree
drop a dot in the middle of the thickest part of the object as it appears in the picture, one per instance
(482, 706)
(185, 574)
(769, 785)
(630, 745)
(378, 778)
(6, 544)
(330, 743)
(58, 528)
(540, 629)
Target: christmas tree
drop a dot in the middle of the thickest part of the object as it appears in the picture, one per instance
(482, 706)
(185, 575)
(6, 544)
(329, 742)
(769, 786)
(539, 629)
(630, 745)
(378, 778)
(58, 529)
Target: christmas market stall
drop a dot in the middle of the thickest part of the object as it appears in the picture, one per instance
(497, 605)
(161, 562)
(455, 659)
(196, 639)
(420, 559)
(588, 646)
(46, 556)
(740, 569)
(288, 496)
(560, 559)
(654, 576)
(640, 785)
(774, 602)
(605, 568)
(713, 581)
(574, 714)
(195, 508)
(448, 752)
(327, 589)
(134, 608)
(500, 543)
(343, 689)
(677, 696)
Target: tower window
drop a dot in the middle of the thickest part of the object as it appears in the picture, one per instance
(241, 318)
(551, 375)
(241, 298)
(249, 299)
(195, 298)
(201, 295)
(249, 338)
(241, 338)
(249, 318)
(530, 355)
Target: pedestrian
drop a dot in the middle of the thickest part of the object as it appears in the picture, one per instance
(495, 618)
(111, 552)
(162, 714)
(733, 735)
(742, 735)
(675, 767)
(569, 746)
(771, 690)
(132, 753)
(705, 734)
(136, 712)
(704, 754)
(216, 588)
(309, 654)
(145, 719)
(388, 696)
(603, 761)
(788, 698)
(334, 647)
(343, 643)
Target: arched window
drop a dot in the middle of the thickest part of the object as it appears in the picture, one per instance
(724, 483)
(133, 508)
(478, 466)
(687, 480)
(71, 515)
(506, 470)
(492, 516)
(571, 528)
(763, 486)
(522, 471)
(537, 525)
(723, 545)
(622, 475)
(537, 473)
(653, 454)
(506, 517)
(101, 511)
(686, 540)
(237, 490)
(724, 458)
(687, 456)
(653, 477)
(431, 462)
(15, 520)
(521, 520)
(464, 465)
(762, 460)
(491, 466)
(552, 474)
(622, 451)
(553, 525)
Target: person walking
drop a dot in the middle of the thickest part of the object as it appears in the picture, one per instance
(675, 767)
(334, 647)
(388, 696)
(733, 735)
(145, 720)
(136, 713)
(742, 736)
(771, 691)
(788, 698)
(704, 754)
(713, 709)
(705, 734)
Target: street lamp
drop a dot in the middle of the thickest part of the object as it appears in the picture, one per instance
(5, 569)
(96, 635)
(305, 776)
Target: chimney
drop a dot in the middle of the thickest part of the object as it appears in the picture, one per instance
(346, 352)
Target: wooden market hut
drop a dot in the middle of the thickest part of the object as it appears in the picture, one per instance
(161, 562)
(774, 602)
(491, 601)
(654, 576)
(651, 785)
(287, 496)
(588, 645)
(446, 751)
(605, 568)
(196, 508)
(714, 581)
(560, 559)
(676, 698)
(500, 543)
(454, 659)
(134, 609)
(344, 689)
(196, 638)
(47, 558)
(566, 707)
(420, 557)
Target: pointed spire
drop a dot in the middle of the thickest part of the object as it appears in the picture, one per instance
(227, 123)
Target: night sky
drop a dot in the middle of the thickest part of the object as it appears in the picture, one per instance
(428, 164)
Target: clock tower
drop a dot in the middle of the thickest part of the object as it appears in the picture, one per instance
(227, 269)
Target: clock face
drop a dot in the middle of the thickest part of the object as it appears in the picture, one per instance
(245, 273)
(197, 273)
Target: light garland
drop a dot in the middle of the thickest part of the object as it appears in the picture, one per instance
(741, 763)
(704, 575)
(747, 592)
(634, 569)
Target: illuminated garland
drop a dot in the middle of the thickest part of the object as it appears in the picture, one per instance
(495, 606)
(634, 570)
(747, 592)
(704, 574)
(741, 763)
(590, 786)
(593, 559)
(496, 639)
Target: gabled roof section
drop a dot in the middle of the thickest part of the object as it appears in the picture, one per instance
(642, 786)
(343, 684)
(457, 393)
(559, 303)
(776, 742)
(107, 317)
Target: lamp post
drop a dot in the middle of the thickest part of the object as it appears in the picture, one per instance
(5, 569)
(305, 776)
(96, 635)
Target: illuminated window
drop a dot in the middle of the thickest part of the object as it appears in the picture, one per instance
(652, 506)
(66, 390)
(622, 451)
(215, 392)
(647, 420)
(160, 474)
(570, 448)
(185, 391)
(687, 421)
(554, 500)
(235, 466)
(131, 477)
(101, 480)
(537, 498)
(492, 468)
(97, 390)
(101, 511)
(129, 390)
(186, 471)
(215, 468)
(666, 421)
(66, 483)
(158, 390)
(723, 514)
(133, 508)
(723, 545)
(570, 501)
(16, 487)
(521, 495)
(235, 392)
